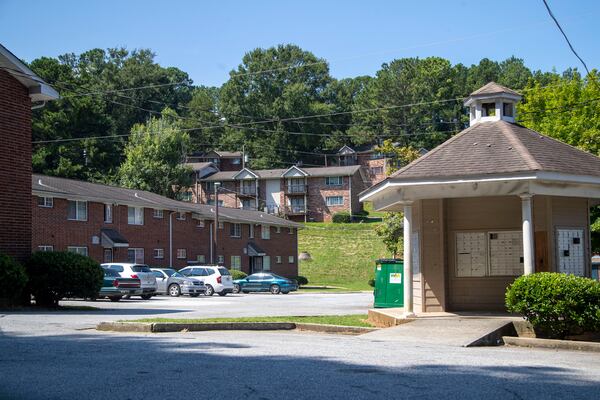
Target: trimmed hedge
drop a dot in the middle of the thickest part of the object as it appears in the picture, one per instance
(301, 280)
(13, 280)
(237, 274)
(341, 217)
(556, 304)
(56, 275)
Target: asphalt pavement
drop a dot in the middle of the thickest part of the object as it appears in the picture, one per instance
(51, 356)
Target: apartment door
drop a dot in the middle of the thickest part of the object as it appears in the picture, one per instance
(108, 255)
(256, 264)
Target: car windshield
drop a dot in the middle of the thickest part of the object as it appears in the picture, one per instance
(111, 273)
(141, 268)
(170, 271)
(278, 277)
(177, 275)
(224, 271)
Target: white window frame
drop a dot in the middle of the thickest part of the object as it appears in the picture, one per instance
(78, 217)
(181, 216)
(45, 247)
(220, 259)
(200, 223)
(46, 201)
(136, 252)
(331, 203)
(266, 263)
(159, 254)
(251, 232)
(290, 231)
(157, 213)
(265, 232)
(108, 213)
(334, 180)
(235, 230)
(291, 259)
(181, 254)
(277, 259)
(83, 250)
(236, 262)
(277, 229)
(138, 215)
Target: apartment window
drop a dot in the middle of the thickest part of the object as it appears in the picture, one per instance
(277, 229)
(488, 109)
(201, 259)
(45, 247)
(376, 170)
(157, 213)
(181, 253)
(181, 216)
(236, 161)
(159, 253)
(186, 196)
(235, 230)
(247, 204)
(266, 263)
(77, 211)
(135, 215)
(47, 202)
(83, 250)
(333, 181)
(200, 223)
(334, 200)
(290, 259)
(236, 262)
(265, 232)
(211, 202)
(291, 231)
(220, 259)
(108, 213)
(251, 233)
(209, 187)
(135, 256)
(277, 259)
(507, 109)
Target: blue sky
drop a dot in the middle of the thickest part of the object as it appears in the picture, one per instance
(208, 39)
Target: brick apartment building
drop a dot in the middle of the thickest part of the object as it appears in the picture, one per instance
(223, 160)
(20, 91)
(296, 193)
(111, 223)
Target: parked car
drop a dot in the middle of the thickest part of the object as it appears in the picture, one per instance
(114, 287)
(265, 282)
(171, 282)
(140, 271)
(217, 279)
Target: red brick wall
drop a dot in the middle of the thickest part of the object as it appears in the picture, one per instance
(15, 168)
(51, 227)
(317, 194)
(368, 164)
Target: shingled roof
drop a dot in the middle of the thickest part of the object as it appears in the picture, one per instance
(277, 173)
(499, 147)
(80, 190)
(493, 88)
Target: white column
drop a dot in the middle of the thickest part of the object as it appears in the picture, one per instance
(528, 244)
(408, 267)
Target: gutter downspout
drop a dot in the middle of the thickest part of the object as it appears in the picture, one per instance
(211, 242)
(42, 105)
(171, 239)
(350, 196)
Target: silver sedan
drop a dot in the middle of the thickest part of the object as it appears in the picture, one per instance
(171, 282)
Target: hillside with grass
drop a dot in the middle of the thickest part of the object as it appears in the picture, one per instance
(343, 255)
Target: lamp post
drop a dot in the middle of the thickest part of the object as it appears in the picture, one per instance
(216, 225)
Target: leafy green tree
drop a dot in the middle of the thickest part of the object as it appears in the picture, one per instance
(154, 156)
(397, 156)
(391, 231)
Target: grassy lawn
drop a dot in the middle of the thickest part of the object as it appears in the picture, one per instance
(343, 255)
(343, 320)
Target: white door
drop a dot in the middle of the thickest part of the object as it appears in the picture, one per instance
(273, 189)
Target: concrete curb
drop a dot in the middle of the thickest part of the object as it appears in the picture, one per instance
(495, 337)
(163, 327)
(552, 344)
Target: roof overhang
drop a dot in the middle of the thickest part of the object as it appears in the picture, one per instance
(244, 173)
(290, 172)
(492, 96)
(112, 238)
(391, 193)
(255, 251)
(38, 89)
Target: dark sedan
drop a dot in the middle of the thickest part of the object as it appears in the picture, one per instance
(114, 287)
(265, 282)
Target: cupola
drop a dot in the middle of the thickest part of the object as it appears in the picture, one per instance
(492, 102)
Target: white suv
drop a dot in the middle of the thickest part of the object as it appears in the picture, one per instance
(140, 271)
(217, 279)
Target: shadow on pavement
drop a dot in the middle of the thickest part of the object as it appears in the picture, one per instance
(98, 366)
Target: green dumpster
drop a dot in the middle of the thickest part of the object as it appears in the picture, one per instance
(389, 283)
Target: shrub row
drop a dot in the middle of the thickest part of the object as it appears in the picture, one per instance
(556, 304)
(341, 217)
(49, 277)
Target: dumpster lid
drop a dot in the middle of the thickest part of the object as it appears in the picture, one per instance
(390, 261)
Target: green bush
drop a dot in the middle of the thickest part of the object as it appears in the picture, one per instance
(237, 274)
(556, 304)
(12, 280)
(341, 217)
(55, 275)
(302, 280)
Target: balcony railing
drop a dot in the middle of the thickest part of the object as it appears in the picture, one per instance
(296, 189)
(247, 191)
(295, 210)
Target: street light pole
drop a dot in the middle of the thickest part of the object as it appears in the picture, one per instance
(216, 225)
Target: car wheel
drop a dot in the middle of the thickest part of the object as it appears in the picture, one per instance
(115, 298)
(245, 291)
(209, 291)
(236, 288)
(146, 296)
(174, 290)
(275, 289)
(194, 294)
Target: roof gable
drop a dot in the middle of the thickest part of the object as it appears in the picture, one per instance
(294, 171)
(246, 173)
(346, 150)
